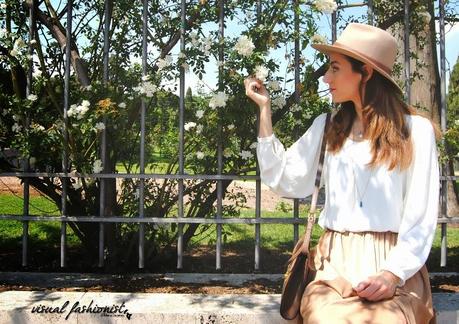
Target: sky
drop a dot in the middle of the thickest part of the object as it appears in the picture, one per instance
(234, 30)
(209, 82)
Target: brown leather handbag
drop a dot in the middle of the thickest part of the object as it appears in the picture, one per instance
(299, 271)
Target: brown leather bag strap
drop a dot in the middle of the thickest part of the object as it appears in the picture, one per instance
(312, 210)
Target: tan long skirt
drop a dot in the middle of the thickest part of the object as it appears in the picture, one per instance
(342, 260)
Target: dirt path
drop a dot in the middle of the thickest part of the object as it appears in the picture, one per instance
(269, 200)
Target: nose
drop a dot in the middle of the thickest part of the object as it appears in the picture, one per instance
(326, 77)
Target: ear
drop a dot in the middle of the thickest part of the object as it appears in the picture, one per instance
(367, 72)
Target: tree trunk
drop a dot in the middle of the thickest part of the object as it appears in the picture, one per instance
(425, 92)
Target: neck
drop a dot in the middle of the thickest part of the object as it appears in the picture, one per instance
(358, 110)
(358, 127)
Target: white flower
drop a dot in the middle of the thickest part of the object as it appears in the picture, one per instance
(72, 110)
(194, 39)
(33, 42)
(318, 39)
(122, 105)
(456, 122)
(145, 77)
(246, 154)
(200, 113)
(38, 127)
(244, 46)
(425, 16)
(181, 55)
(14, 52)
(36, 73)
(189, 125)
(85, 103)
(16, 117)
(32, 97)
(303, 59)
(218, 100)
(274, 85)
(3, 33)
(165, 62)
(147, 88)
(199, 128)
(88, 87)
(19, 43)
(3, 6)
(227, 153)
(199, 155)
(230, 126)
(325, 6)
(97, 166)
(77, 184)
(261, 73)
(253, 145)
(295, 107)
(279, 102)
(81, 110)
(206, 45)
(99, 126)
(16, 128)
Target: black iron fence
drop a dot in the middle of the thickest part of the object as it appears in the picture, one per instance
(180, 220)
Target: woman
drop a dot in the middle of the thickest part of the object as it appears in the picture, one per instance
(381, 180)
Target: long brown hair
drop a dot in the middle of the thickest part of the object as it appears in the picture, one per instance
(383, 114)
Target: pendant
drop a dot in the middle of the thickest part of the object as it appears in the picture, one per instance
(361, 204)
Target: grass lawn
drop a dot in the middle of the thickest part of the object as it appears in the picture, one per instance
(157, 167)
(40, 233)
(276, 237)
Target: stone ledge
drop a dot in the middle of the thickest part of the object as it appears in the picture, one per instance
(16, 307)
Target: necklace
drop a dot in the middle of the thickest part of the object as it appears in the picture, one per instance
(358, 134)
(356, 187)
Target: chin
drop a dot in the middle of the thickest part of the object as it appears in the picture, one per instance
(337, 101)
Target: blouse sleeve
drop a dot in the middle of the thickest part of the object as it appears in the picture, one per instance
(291, 173)
(420, 207)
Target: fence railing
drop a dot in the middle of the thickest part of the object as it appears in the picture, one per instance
(218, 220)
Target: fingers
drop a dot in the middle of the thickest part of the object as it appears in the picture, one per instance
(369, 291)
(362, 285)
(252, 84)
(375, 288)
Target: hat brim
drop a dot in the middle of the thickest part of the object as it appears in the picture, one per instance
(327, 49)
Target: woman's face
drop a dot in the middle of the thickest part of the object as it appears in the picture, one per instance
(343, 82)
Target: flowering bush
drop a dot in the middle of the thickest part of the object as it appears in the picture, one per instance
(32, 126)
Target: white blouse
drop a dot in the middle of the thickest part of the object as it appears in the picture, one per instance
(379, 200)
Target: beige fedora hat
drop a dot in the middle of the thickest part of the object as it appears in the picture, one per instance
(368, 44)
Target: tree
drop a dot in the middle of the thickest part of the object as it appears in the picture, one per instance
(452, 134)
(425, 75)
(114, 106)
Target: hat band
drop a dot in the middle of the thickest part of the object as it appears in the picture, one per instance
(378, 64)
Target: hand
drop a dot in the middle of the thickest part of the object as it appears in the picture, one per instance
(256, 91)
(378, 287)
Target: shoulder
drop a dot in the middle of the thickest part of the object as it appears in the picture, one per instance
(319, 121)
(420, 125)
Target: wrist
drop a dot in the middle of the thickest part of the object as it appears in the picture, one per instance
(391, 277)
(266, 106)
